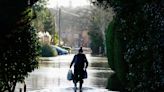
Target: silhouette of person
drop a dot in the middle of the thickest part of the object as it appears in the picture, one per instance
(24, 86)
(80, 65)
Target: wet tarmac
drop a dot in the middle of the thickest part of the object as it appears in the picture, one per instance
(51, 76)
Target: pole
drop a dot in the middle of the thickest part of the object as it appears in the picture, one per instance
(59, 26)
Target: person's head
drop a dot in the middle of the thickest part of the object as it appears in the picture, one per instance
(80, 50)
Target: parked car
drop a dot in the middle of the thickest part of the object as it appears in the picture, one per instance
(67, 48)
(60, 50)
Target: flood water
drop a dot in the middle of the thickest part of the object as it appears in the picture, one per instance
(51, 75)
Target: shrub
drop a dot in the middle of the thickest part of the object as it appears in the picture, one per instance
(19, 58)
(19, 46)
(48, 51)
(114, 83)
(114, 47)
(136, 44)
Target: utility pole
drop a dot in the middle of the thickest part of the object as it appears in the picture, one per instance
(59, 27)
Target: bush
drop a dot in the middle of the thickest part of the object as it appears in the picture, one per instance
(48, 51)
(136, 44)
(114, 83)
(19, 57)
(114, 47)
(19, 46)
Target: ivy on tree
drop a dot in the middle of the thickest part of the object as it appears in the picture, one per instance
(19, 46)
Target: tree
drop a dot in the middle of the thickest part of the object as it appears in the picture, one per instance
(138, 28)
(84, 19)
(19, 47)
(45, 20)
(49, 22)
(73, 21)
(99, 19)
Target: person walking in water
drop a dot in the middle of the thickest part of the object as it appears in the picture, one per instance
(80, 65)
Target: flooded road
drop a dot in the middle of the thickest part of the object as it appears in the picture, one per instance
(51, 75)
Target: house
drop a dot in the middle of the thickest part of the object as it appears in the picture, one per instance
(44, 37)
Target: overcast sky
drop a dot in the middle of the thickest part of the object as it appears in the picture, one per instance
(67, 3)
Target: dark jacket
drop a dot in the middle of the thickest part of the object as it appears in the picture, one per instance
(79, 61)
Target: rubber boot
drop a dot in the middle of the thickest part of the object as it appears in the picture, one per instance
(81, 83)
(75, 84)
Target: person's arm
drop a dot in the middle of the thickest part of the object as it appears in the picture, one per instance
(72, 61)
(86, 62)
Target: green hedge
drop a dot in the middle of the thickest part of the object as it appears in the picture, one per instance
(115, 58)
(114, 83)
(48, 51)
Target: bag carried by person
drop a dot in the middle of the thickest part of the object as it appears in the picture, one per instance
(85, 75)
(70, 75)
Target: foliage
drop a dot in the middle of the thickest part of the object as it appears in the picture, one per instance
(96, 35)
(19, 47)
(49, 22)
(114, 83)
(45, 20)
(48, 51)
(81, 20)
(96, 41)
(140, 25)
(114, 47)
(98, 23)
(109, 34)
(56, 39)
(72, 20)
(40, 5)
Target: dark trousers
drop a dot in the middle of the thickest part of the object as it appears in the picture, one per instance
(78, 76)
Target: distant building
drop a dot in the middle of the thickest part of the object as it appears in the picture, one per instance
(44, 37)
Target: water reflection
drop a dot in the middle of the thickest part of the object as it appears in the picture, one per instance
(52, 74)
